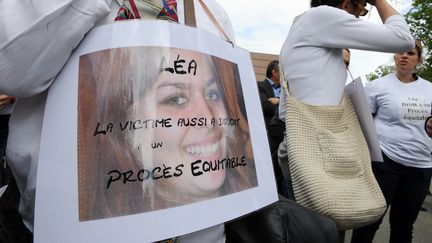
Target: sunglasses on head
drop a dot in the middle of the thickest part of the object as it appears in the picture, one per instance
(364, 11)
(362, 5)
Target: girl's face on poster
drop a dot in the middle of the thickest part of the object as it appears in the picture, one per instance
(187, 88)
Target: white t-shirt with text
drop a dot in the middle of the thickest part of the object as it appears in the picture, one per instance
(400, 112)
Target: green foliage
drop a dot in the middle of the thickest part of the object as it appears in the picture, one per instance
(381, 71)
(419, 19)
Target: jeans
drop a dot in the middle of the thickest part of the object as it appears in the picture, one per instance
(405, 189)
(275, 133)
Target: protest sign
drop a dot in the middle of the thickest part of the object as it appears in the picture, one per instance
(152, 130)
(358, 98)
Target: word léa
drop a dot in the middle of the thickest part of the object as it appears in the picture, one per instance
(179, 66)
(197, 168)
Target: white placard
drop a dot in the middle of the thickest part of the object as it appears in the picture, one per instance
(355, 91)
(152, 130)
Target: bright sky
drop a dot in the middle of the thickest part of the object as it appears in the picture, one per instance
(261, 26)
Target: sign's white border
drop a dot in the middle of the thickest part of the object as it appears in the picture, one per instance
(56, 215)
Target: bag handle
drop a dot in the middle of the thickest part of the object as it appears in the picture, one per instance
(190, 19)
(189, 12)
(215, 22)
(282, 76)
(284, 82)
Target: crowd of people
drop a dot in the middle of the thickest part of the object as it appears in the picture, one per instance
(311, 59)
(313, 63)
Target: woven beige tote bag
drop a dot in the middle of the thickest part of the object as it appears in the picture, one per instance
(330, 164)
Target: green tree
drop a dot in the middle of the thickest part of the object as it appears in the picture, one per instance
(419, 19)
(381, 71)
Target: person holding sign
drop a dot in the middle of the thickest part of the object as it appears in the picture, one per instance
(400, 103)
(173, 131)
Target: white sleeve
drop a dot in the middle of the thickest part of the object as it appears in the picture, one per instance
(38, 38)
(371, 94)
(335, 28)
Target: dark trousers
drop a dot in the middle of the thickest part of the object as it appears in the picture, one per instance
(275, 133)
(4, 131)
(405, 189)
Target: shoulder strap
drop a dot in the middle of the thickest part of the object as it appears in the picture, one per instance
(282, 78)
(215, 22)
(190, 19)
(189, 12)
(284, 82)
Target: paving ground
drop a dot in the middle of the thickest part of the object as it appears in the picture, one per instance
(422, 227)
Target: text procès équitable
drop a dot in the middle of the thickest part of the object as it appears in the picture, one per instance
(197, 168)
(167, 170)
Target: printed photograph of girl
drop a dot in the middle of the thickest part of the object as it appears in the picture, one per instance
(159, 127)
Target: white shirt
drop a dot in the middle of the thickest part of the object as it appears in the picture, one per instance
(36, 39)
(311, 56)
(400, 113)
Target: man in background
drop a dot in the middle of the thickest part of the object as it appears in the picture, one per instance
(269, 91)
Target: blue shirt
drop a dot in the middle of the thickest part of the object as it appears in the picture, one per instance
(276, 88)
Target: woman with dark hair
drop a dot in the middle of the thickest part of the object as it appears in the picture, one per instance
(311, 56)
(141, 85)
(400, 103)
(318, 36)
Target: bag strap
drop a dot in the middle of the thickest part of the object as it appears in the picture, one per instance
(190, 19)
(189, 12)
(284, 82)
(282, 76)
(215, 22)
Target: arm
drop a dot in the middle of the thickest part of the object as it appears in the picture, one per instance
(268, 104)
(385, 10)
(33, 55)
(274, 100)
(5, 100)
(335, 28)
(428, 126)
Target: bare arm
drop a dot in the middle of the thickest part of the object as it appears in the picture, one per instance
(385, 10)
(274, 101)
(4, 100)
(428, 126)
